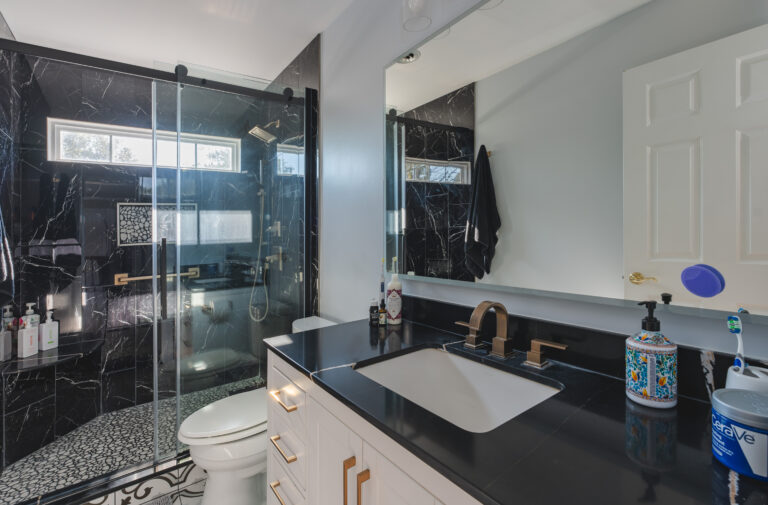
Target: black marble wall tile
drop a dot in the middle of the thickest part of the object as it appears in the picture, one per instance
(24, 388)
(416, 141)
(437, 206)
(78, 392)
(415, 244)
(28, 428)
(456, 108)
(119, 350)
(118, 390)
(303, 72)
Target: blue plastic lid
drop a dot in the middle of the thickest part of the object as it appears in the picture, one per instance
(703, 280)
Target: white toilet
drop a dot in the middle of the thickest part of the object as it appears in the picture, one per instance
(228, 439)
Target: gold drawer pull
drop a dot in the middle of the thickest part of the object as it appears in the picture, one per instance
(288, 459)
(362, 477)
(348, 463)
(274, 486)
(276, 396)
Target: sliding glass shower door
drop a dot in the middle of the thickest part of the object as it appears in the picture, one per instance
(228, 201)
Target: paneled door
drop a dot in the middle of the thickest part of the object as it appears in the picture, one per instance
(696, 171)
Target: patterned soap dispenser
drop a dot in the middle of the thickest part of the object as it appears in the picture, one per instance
(651, 363)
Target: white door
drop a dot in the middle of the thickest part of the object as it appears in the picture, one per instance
(389, 485)
(696, 171)
(336, 457)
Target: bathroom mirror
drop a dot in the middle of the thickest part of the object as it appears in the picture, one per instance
(627, 141)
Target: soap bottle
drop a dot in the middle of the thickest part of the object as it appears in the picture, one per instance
(6, 333)
(49, 332)
(382, 314)
(651, 364)
(373, 313)
(394, 297)
(28, 333)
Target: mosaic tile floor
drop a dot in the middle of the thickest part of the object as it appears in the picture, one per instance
(107, 444)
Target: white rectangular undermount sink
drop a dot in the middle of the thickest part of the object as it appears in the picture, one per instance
(471, 395)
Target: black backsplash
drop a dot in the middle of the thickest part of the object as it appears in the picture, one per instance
(699, 371)
(61, 223)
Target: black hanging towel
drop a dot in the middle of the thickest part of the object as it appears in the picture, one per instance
(484, 222)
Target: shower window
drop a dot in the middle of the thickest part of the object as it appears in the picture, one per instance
(80, 141)
(444, 172)
(290, 160)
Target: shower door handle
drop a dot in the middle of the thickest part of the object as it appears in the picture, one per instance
(163, 279)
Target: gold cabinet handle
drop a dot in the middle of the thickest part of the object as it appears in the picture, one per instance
(347, 465)
(639, 278)
(288, 459)
(274, 486)
(276, 396)
(362, 477)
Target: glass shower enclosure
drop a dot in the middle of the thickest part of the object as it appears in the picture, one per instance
(163, 218)
(227, 250)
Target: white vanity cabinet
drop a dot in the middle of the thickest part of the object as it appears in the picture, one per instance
(348, 461)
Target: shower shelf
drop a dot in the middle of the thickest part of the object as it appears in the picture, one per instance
(62, 354)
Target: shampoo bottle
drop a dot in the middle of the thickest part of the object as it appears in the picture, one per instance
(651, 365)
(394, 297)
(6, 333)
(28, 329)
(49, 333)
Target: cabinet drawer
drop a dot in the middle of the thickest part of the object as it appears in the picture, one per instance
(294, 449)
(289, 399)
(280, 486)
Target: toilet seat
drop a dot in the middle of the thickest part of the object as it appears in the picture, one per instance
(233, 418)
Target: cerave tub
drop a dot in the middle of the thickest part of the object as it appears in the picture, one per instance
(740, 431)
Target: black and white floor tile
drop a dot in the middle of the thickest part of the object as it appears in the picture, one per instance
(107, 444)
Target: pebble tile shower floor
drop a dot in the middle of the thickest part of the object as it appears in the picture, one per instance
(107, 444)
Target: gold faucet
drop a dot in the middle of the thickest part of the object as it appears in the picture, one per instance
(502, 346)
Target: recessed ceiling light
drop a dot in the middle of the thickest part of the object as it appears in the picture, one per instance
(490, 4)
(409, 57)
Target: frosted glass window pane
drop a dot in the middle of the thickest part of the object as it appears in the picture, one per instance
(133, 150)
(166, 154)
(210, 156)
(226, 226)
(83, 146)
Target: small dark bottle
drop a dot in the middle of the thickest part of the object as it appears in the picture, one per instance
(373, 313)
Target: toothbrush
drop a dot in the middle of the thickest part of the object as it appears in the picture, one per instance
(734, 326)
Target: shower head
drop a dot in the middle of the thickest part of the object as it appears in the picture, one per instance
(262, 135)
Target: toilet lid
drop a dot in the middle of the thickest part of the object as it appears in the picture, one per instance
(239, 412)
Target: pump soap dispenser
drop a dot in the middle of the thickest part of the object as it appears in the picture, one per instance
(651, 365)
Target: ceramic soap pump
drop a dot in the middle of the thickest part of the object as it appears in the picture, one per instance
(651, 364)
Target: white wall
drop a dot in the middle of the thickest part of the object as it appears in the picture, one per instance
(367, 36)
(354, 51)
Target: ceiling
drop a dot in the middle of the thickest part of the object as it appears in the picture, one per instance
(492, 39)
(256, 38)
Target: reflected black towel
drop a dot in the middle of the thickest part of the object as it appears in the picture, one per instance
(484, 221)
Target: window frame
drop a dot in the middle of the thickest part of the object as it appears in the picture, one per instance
(56, 126)
(464, 166)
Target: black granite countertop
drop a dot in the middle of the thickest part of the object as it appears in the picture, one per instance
(586, 444)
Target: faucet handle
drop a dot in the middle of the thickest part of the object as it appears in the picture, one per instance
(467, 325)
(473, 339)
(533, 357)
